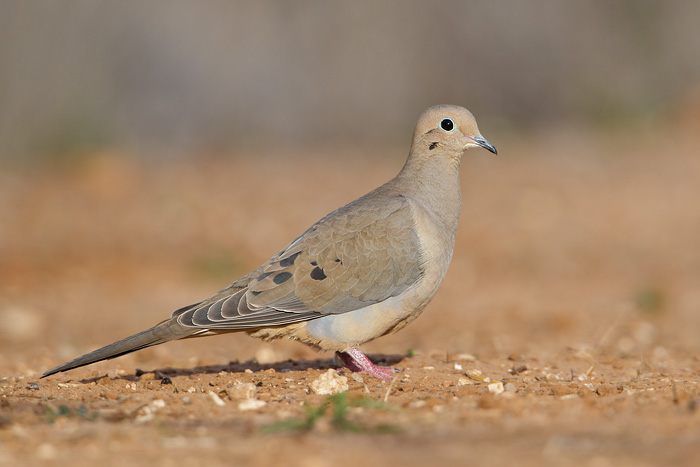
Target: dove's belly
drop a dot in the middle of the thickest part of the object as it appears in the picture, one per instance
(342, 331)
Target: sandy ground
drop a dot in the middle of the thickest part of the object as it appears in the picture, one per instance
(565, 332)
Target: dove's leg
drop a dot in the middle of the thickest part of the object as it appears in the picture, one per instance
(356, 361)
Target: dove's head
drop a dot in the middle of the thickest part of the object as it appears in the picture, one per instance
(448, 129)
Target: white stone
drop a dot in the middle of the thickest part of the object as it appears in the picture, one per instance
(496, 388)
(329, 382)
(217, 400)
(251, 404)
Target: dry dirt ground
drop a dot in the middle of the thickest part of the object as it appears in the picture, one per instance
(574, 284)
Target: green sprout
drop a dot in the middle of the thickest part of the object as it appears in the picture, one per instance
(340, 405)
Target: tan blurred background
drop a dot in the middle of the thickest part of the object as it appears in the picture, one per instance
(166, 78)
(152, 152)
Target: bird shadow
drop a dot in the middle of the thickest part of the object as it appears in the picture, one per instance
(236, 366)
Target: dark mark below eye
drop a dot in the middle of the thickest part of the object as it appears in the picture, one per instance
(281, 277)
(432, 146)
(314, 263)
(318, 274)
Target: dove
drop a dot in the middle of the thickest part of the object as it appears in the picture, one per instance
(363, 271)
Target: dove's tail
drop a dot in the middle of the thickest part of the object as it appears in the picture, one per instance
(163, 332)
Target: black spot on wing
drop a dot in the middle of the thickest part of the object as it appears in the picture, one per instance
(282, 277)
(288, 261)
(318, 274)
(263, 276)
(313, 263)
(432, 146)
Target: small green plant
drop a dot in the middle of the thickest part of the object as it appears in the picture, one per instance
(339, 405)
(650, 300)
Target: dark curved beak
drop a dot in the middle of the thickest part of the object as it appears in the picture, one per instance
(481, 141)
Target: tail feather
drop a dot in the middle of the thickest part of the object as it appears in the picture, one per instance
(160, 333)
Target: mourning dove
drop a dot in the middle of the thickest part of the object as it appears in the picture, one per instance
(363, 271)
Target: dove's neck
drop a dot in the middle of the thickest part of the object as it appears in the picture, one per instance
(435, 184)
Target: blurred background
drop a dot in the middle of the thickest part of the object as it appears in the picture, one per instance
(152, 152)
(164, 78)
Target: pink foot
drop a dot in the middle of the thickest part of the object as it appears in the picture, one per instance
(356, 361)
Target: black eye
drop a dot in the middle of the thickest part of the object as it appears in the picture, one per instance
(447, 124)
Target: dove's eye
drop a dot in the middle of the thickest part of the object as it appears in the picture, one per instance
(447, 124)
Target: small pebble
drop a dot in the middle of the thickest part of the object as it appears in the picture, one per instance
(157, 404)
(33, 386)
(329, 382)
(251, 404)
(217, 400)
(465, 356)
(243, 391)
(496, 388)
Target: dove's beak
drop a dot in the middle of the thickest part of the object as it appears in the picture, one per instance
(481, 141)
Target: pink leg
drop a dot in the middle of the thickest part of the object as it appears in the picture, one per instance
(356, 361)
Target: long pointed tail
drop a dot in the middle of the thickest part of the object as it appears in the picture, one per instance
(162, 332)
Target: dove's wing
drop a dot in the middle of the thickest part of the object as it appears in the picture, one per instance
(357, 256)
